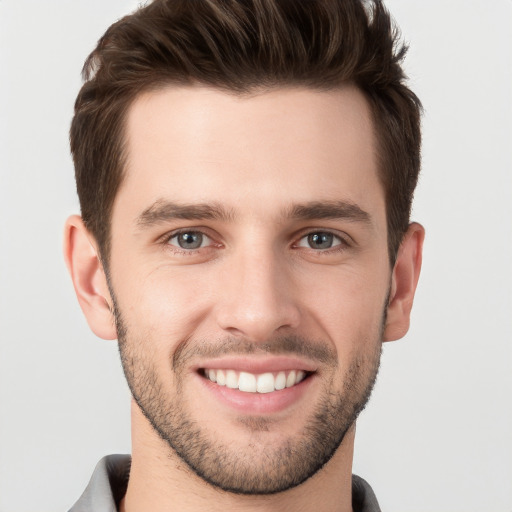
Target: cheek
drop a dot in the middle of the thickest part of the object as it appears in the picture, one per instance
(349, 309)
(347, 303)
(165, 304)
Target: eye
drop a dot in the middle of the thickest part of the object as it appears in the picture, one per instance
(189, 240)
(320, 240)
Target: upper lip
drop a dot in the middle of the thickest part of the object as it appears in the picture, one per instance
(257, 365)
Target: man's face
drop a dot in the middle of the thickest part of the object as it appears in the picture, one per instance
(249, 250)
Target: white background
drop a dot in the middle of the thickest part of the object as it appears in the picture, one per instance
(437, 435)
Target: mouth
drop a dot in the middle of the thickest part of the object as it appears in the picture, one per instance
(257, 385)
(246, 382)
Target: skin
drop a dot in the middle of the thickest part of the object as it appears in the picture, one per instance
(256, 278)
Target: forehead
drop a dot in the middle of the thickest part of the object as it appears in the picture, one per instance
(287, 145)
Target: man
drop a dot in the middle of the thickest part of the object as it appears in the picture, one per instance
(245, 172)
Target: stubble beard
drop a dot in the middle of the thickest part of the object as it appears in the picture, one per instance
(257, 469)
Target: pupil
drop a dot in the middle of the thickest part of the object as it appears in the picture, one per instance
(320, 240)
(190, 240)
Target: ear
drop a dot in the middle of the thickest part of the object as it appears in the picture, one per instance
(84, 265)
(404, 279)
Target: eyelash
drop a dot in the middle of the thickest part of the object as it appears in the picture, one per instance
(343, 244)
(187, 252)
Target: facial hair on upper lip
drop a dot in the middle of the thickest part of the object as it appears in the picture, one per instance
(294, 345)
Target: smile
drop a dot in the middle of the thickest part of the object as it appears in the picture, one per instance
(255, 383)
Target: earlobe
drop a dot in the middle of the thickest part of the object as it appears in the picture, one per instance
(404, 280)
(88, 276)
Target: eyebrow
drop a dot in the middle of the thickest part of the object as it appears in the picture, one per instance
(330, 210)
(163, 211)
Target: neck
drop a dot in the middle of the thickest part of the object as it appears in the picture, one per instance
(160, 481)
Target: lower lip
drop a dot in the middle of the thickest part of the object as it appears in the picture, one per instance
(258, 403)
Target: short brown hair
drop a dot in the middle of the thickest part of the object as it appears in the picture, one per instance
(241, 46)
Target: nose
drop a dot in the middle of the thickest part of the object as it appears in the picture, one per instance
(257, 299)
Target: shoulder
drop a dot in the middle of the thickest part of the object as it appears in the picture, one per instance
(363, 497)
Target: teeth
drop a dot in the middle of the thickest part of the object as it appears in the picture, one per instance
(247, 382)
(280, 382)
(231, 379)
(290, 380)
(250, 383)
(221, 378)
(265, 383)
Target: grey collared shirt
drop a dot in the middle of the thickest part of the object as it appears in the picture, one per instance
(110, 479)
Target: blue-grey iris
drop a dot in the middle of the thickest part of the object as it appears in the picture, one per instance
(320, 240)
(190, 240)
